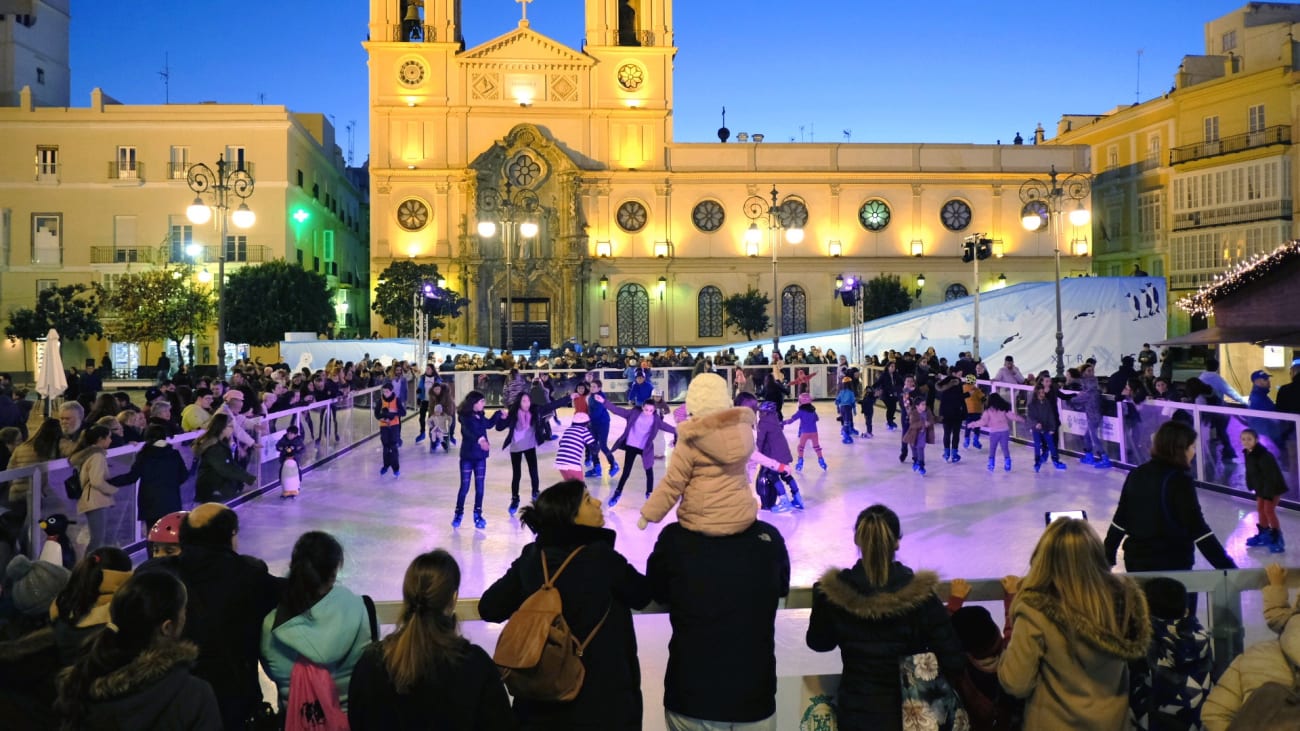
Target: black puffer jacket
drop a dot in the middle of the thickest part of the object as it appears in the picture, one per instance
(153, 691)
(1263, 475)
(598, 579)
(874, 628)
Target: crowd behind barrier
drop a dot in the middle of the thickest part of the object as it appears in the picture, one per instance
(355, 423)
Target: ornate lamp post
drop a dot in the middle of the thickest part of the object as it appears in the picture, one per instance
(1045, 202)
(779, 219)
(518, 212)
(224, 185)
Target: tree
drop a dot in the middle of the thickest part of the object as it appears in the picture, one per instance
(395, 296)
(160, 304)
(72, 309)
(264, 302)
(884, 296)
(747, 313)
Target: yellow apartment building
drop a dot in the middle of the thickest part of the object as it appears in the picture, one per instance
(1191, 182)
(638, 238)
(90, 193)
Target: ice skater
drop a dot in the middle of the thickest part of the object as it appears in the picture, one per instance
(637, 440)
(996, 420)
(806, 415)
(1046, 423)
(573, 447)
(844, 402)
(474, 450)
(920, 430)
(290, 447)
(389, 410)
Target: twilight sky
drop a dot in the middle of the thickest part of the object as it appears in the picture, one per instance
(942, 71)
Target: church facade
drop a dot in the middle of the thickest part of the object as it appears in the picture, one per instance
(548, 178)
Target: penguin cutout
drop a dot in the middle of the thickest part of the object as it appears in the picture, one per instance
(58, 547)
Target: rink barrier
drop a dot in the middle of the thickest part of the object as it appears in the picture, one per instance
(1223, 621)
(1127, 441)
(356, 424)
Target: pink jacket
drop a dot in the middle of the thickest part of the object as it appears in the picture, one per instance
(993, 420)
(709, 473)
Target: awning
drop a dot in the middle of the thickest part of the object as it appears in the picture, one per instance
(1259, 335)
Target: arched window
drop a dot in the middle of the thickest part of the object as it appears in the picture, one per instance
(633, 315)
(954, 292)
(710, 312)
(794, 310)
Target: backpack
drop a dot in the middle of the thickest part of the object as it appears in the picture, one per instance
(1272, 706)
(313, 700)
(537, 654)
(313, 703)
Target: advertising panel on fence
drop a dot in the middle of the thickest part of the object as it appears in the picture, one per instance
(1076, 422)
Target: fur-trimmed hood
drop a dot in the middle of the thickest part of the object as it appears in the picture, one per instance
(1132, 644)
(150, 667)
(903, 592)
(42, 640)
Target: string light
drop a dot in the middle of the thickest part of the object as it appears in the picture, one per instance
(1244, 274)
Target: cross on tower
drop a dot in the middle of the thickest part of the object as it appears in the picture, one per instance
(523, 4)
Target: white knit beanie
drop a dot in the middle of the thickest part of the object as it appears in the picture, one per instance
(707, 393)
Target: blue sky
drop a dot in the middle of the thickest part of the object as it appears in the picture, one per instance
(888, 72)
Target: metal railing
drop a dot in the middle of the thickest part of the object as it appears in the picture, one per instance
(123, 254)
(125, 171)
(1278, 135)
(341, 423)
(1258, 211)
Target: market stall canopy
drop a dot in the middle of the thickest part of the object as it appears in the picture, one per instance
(1255, 302)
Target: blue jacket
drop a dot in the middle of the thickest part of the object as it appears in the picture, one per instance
(639, 393)
(845, 397)
(474, 427)
(598, 413)
(333, 633)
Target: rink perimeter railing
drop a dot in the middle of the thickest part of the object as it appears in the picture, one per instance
(340, 425)
(807, 680)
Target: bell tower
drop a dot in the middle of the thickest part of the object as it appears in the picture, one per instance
(406, 21)
(629, 23)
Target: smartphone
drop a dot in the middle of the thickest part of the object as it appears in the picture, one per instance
(1051, 515)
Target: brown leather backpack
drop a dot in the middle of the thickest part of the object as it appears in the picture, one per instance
(537, 654)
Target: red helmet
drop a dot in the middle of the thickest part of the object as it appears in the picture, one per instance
(168, 528)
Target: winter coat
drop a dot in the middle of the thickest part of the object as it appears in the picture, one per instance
(889, 384)
(639, 393)
(474, 427)
(996, 420)
(1073, 673)
(70, 638)
(161, 470)
(1168, 687)
(1089, 397)
(290, 447)
(598, 580)
(153, 691)
(1275, 661)
(708, 472)
(771, 438)
(599, 414)
(1263, 476)
(722, 594)
(218, 472)
(918, 422)
(332, 633)
(1160, 515)
(466, 695)
(845, 398)
(229, 595)
(952, 400)
(1043, 412)
(975, 398)
(539, 413)
(24, 456)
(876, 627)
(97, 492)
(806, 415)
(633, 416)
(1006, 374)
(28, 667)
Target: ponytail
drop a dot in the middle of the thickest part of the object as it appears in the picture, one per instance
(427, 640)
(84, 585)
(877, 535)
(138, 611)
(314, 564)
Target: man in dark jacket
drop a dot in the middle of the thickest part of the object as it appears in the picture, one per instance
(1288, 401)
(722, 594)
(229, 596)
(1115, 384)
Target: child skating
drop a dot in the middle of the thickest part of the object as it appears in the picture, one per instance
(771, 443)
(574, 444)
(290, 447)
(920, 431)
(806, 415)
(844, 402)
(1264, 478)
(439, 428)
(996, 420)
(1046, 423)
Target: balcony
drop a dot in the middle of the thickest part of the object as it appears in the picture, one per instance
(1226, 215)
(123, 254)
(125, 171)
(245, 254)
(47, 172)
(180, 170)
(1279, 135)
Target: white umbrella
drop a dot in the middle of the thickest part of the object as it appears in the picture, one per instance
(50, 380)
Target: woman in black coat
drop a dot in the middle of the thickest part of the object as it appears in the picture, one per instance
(890, 386)
(1159, 512)
(598, 585)
(161, 470)
(219, 475)
(877, 613)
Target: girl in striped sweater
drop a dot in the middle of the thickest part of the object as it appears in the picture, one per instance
(574, 444)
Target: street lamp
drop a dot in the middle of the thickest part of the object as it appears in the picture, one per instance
(1044, 203)
(517, 212)
(779, 219)
(223, 183)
